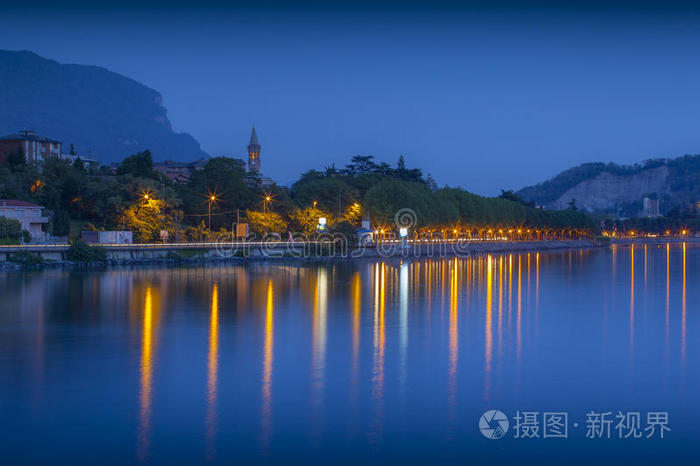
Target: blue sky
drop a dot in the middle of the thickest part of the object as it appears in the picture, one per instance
(483, 96)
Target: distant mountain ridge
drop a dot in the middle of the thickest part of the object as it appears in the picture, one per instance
(600, 187)
(99, 111)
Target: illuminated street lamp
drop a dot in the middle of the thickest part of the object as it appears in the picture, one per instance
(211, 200)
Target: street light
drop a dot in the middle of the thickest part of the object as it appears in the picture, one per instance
(212, 199)
(266, 199)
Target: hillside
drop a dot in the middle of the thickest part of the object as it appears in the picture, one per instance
(100, 112)
(599, 187)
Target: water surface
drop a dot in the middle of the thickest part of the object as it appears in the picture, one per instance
(350, 362)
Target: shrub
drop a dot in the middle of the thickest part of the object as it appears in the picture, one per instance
(26, 258)
(80, 251)
(61, 223)
(10, 230)
(26, 236)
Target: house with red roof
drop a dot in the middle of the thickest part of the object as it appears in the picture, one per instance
(28, 214)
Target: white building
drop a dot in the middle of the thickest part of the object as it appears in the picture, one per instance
(28, 214)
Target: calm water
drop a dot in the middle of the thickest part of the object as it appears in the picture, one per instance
(350, 362)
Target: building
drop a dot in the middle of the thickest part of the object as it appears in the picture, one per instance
(180, 172)
(87, 162)
(254, 153)
(255, 176)
(35, 148)
(107, 237)
(28, 214)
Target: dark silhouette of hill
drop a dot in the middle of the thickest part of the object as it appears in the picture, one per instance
(102, 113)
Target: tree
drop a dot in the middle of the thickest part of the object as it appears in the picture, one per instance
(60, 223)
(139, 165)
(79, 165)
(431, 183)
(15, 159)
(262, 223)
(401, 165)
(147, 219)
(72, 150)
(10, 230)
(510, 196)
(307, 219)
(362, 164)
(226, 179)
(572, 205)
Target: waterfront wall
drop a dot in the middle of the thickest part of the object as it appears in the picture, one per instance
(134, 254)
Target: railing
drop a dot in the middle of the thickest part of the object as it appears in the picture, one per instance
(249, 244)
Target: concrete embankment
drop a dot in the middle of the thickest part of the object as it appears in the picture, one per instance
(657, 240)
(55, 255)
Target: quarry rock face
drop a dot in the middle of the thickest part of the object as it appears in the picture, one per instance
(606, 191)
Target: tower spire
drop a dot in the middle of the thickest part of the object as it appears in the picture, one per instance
(254, 153)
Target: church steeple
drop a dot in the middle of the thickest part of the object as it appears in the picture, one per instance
(254, 153)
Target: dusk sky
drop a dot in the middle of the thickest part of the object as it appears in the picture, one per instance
(482, 98)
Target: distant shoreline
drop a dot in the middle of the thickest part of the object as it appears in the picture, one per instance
(213, 255)
(659, 240)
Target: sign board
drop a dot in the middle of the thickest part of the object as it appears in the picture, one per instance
(241, 230)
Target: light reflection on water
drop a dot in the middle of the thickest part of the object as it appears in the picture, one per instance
(349, 361)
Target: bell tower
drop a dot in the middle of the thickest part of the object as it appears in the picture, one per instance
(254, 153)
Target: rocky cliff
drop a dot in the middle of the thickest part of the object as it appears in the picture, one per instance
(607, 191)
(102, 113)
(598, 187)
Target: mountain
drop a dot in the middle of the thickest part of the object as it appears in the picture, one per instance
(102, 113)
(600, 187)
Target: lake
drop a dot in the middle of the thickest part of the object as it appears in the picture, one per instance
(590, 354)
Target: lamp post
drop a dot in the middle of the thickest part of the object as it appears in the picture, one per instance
(267, 199)
(212, 199)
